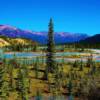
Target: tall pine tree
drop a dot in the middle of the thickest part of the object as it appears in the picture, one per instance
(50, 62)
(50, 48)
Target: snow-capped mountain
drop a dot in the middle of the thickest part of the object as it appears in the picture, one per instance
(41, 37)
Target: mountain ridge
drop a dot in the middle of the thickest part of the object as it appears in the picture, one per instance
(41, 37)
(93, 39)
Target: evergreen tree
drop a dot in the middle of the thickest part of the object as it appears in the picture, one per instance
(89, 61)
(76, 64)
(70, 86)
(81, 66)
(4, 90)
(50, 62)
(50, 48)
(22, 85)
(35, 48)
(10, 72)
(36, 67)
(93, 69)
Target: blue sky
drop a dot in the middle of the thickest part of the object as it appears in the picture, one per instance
(69, 15)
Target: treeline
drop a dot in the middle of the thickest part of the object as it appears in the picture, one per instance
(88, 45)
(83, 45)
(21, 48)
